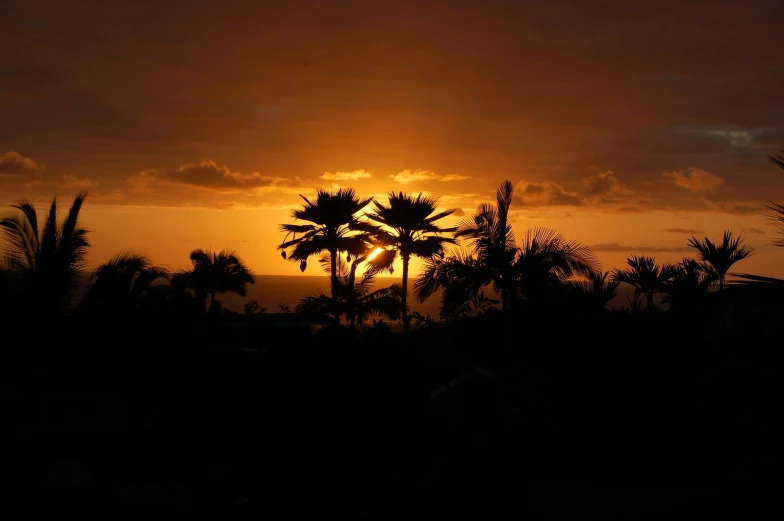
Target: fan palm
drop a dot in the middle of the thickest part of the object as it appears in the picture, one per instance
(721, 256)
(213, 273)
(333, 228)
(47, 259)
(645, 276)
(492, 241)
(407, 226)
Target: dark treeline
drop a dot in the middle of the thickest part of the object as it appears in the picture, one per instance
(146, 400)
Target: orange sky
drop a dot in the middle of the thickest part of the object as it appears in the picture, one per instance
(625, 126)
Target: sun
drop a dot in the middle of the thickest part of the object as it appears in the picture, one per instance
(374, 253)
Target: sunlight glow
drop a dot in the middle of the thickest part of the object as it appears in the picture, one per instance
(374, 253)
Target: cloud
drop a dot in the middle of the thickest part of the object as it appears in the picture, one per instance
(732, 207)
(683, 231)
(208, 175)
(614, 247)
(753, 231)
(459, 212)
(408, 176)
(71, 181)
(545, 193)
(694, 179)
(346, 176)
(14, 164)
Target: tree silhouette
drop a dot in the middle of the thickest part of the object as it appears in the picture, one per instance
(333, 228)
(121, 283)
(721, 256)
(547, 260)
(355, 299)
(777, 217)
(408, 227)
(459, 275)
(214, 273)
(47, 259)
(493, 242)
(687, 285)
(597, 290)
(645, 275)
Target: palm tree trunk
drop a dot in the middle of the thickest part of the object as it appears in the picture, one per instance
(405, 291)
(649, 298)
(333, 268)
(212, 301)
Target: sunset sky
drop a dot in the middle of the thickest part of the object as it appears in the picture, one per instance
(628, 126)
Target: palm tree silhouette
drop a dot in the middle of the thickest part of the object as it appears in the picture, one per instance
(547, 260)
(645, 275)
(121, 283)
(333, 228)
(596, 290)
(214, 273)
(493, 242)
(407, 225)
(356, 300)
(721, 256)
(47, 259)
(777, 217)
(688, 284)
(459, 275)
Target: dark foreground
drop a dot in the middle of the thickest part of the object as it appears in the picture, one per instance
(612, 418)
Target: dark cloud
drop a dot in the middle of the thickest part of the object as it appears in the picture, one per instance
(14, 164)
(683, 231)
(754, 231)
(459, 212)
(618, 248)
(209, 175)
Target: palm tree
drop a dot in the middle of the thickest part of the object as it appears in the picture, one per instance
(120, 284)
(721, 257)
(47, 259)
(596, 290)
(356, 300)
(777, 217)
(333, 228)
(688, 284)
(546, 260)
(493, 242)
(214, 273)
(645, 275)
(407, 225)
(459, 275)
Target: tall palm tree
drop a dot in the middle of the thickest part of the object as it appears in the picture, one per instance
(47, 259)
(645, 275)
(407, 225)
(547, 260)
(492, 241)
(120, 284)
(721, 256)
(334, 226)
(213, 273)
